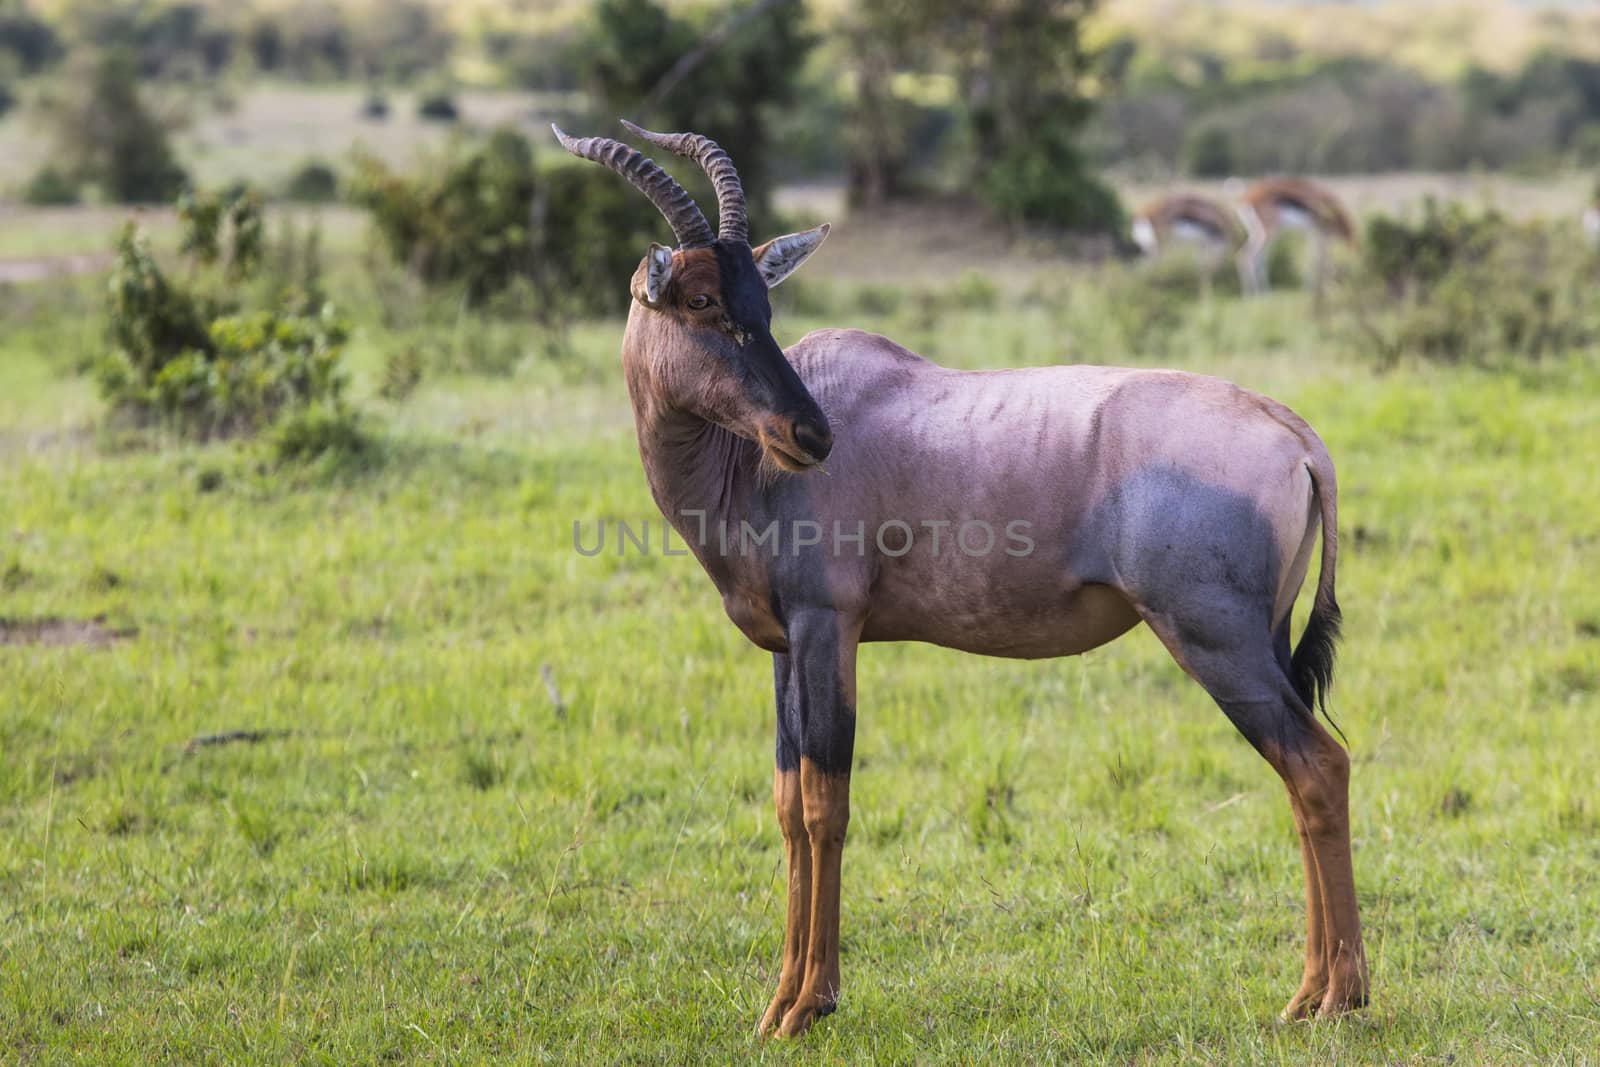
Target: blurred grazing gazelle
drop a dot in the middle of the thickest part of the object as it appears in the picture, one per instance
(1177, 500)
(1197, 221)
(1272, 207)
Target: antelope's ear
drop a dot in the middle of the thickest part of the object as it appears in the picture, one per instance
(657, 273)
(781, 256)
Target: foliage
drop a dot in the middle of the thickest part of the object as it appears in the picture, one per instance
(730, 96)
(305, 39)
(106, 134)
(319, 431)
(483, 216)
(1461, 287)
(1208, 152)
(1045, 179)
(1021, 69)
(205, 217)
(1195, 111)
(27, 42)
(402, 373)
(437, 104)
(313, 182)
(188, 355)
(50, 188)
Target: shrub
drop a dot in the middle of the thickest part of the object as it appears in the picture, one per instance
(8, 98)
(1406, 257)
(1209, 153)
(30, 40)
(484, 217)
(203, 216)
(50, 188)
(437, 105)
(187, 355)
(312, 182)
(319, 431)
(402, 373)
(1438, 289)
(1046, 180)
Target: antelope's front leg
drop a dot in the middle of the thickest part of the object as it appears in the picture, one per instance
(786, 796)
(817, 713)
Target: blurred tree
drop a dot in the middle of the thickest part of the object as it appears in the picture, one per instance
(881, 36)
(1023, 65)
(105, 134)
(1021, 68)
(720, 76)
(29, 40)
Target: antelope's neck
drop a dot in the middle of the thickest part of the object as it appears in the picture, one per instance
(700, 474)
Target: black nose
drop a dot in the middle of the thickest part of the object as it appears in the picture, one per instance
(815, 441)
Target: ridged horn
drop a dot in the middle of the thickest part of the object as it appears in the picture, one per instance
(688, 222)
(731, 222)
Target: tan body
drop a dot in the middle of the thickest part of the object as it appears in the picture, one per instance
(1275, 206)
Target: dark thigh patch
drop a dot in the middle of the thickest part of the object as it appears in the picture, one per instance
(1179, 546)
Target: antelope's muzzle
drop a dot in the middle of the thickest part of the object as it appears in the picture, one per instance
(798, 443)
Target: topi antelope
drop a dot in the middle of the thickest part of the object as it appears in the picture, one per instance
(1273, 206)
(1126, 496)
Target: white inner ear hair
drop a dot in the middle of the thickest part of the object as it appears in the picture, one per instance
(657, 273)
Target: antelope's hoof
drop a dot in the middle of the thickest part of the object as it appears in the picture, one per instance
(1339, 1001)
(1318, 1000)
(806, 1010)
(1306, 1001)
(774, 1013)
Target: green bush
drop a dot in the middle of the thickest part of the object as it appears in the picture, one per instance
(50, 188)
(313, 182)
(437, 105)
(319, 431)
(1208, 153)
(187, 355)
(1438, 289)
(1046, 180)
(32, 43)
(1407, 257)
(484, 217)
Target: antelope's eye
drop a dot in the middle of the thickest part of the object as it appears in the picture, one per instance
(700, 301)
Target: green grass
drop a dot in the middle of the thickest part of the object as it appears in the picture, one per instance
(429, 859)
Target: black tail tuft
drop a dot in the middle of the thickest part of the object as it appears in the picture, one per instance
(1311, 669)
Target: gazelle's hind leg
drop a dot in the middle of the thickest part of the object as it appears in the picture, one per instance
(1237, 664)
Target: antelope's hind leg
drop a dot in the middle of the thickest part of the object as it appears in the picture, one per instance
(1249, 683)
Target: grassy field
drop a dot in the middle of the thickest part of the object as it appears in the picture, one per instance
(505, 801)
